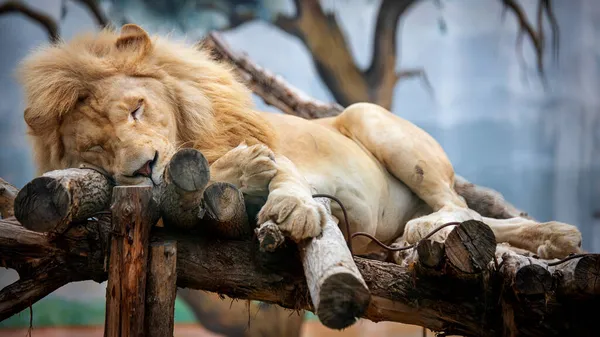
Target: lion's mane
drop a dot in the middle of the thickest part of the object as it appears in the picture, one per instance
(214, 110)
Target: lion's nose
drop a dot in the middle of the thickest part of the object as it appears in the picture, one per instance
(146, 169)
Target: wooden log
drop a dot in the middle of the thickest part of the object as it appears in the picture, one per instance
(578, 277)
(431, 253)
(525, 275)
(161, 289)
(471, 246)
(185, 179)
(442, 303)
(133, 214)
(337, 289)
(8, 193)
(225, 212)
(51, 202)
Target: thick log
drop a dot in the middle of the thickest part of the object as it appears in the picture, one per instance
(161, 289)
(8, 193)
(225, 210)
(180, 196)
(578, 277)
(471, 246)
(337, 289)
(51, 202)
(133, 215)
(444, 303)
(525, 275)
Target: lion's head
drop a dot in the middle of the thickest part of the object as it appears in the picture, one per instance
(124, 102)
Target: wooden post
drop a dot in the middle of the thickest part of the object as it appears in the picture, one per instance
(133, 215)
(161, 289)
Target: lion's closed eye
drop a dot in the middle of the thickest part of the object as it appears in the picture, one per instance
(95, 148)
(136, 113)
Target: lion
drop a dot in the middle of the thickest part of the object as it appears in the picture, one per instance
(122, 102)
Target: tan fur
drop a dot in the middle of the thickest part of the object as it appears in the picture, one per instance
(213, 109)
(118, 101)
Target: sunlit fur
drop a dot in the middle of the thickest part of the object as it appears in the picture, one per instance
(212, 109)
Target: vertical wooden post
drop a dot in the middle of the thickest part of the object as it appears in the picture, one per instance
(161, 289)
(133, 215)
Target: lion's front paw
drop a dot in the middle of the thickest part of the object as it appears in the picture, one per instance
(258, 169)
(299, 217)
(559, 240)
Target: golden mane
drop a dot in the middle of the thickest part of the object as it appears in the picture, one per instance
(214, 109)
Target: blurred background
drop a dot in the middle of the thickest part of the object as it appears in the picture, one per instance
(511, 95)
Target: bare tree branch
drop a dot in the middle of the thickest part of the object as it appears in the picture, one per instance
(536, 34)
(272, 89)
(46, 21)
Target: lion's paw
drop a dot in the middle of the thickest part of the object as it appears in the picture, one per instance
(258, 167)
(298, 216)
(559, 240)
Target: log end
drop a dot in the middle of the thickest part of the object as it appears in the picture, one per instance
(587, 274)
(224, 205)
(471, 246)
(42, 204)
(431, 253)
(533, 280)
(189, 170)
(343, 298)
(269, 236)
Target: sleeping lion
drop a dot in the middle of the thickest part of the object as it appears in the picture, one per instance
(124, 102)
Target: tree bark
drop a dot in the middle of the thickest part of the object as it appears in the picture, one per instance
(51, 202)
(180, 195)
(133, 215)
(226, 215)
(8, 193)
(161, 289)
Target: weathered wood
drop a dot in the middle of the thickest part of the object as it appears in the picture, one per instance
(133, 215)
(51, 202)
(8, 193)
(161, 289)
(185, 179)
(525, 275)
(578, 277)
(463, 306)
(471, 246)
(269, 236)
(225, 215)
(431, 253)
(338, 292)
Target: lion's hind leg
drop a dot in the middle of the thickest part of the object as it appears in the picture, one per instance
(406, 151)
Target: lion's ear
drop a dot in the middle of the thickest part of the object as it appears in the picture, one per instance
(133, 37)
(37, 122)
